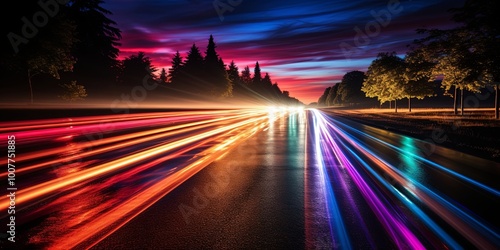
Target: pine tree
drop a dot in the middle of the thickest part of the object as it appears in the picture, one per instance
(218, 83)
(192, 74)
(234, 77)
(163, 76)
(175, 70)
(246, 76)
(257, 77)
(97, 48)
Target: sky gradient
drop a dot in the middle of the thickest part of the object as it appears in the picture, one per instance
(305, 46)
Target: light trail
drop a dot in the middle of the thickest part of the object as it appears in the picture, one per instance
(401, 235)
(150, 141)
(340, 237)
(142, 136)
(469, 225)
(111, 168)
(45, 188)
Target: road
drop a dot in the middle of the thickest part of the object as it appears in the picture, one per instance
(247, 178)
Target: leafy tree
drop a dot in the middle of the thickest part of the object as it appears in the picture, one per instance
(322, 98)
(73, 92)
(451, 51)
(481, 19)
(349, 89)
(418, 77)
(47, 52)
(332, 99)
(384, 78)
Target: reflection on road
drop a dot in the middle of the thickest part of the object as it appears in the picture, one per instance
(84, 178)
(405, 207)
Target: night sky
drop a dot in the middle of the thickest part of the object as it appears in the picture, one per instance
(305, 46)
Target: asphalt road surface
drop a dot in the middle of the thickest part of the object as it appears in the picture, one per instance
(242, 179)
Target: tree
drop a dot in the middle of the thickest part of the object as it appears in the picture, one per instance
(73, 92)
(163, 76)
(451, 52)
(215, 72)
(136, 69)
(234, 77)
(246, 76)
(192, 73)
(332, 99)
(175, 71)
(384, 78)
(257, 77)
(349, 89)
(322, 98)
(481, 19)
(419, 82)
(48, 52)
(98, 39)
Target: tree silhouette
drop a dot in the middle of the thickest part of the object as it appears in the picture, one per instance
(47, 52)
(191, 76)
(322, 98)
(163, 76)
(136, 70)
(246, 76)
(481, 19)
(239, 88)
(257, 77)
(215, 72)
(332, 97)
(209, 77)
(175, 71)
(349, 89)
(96, 50)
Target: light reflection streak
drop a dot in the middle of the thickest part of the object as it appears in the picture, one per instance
(155, 139)
(45, 188)
(401, 235)
(337, 228)
(420, 158)
(122, 141)
(142, 153)
(469, 225)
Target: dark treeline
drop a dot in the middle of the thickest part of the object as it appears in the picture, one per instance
(444, 62)
(70, 51)
(207, 76)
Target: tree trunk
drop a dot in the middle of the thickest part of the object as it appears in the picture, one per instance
(409, 103)
(496, 101)
(390, 104)
(455, 102)
(31, 88)
(462, 102)
(395, 106)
